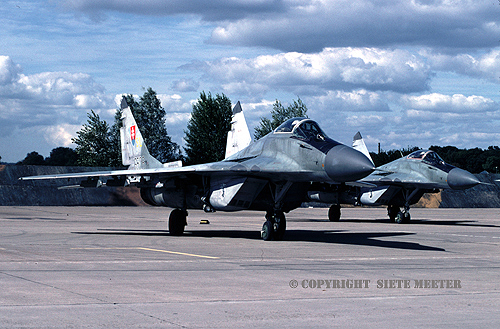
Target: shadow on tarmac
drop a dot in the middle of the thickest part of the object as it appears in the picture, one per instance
(339, 237)
(466, 223)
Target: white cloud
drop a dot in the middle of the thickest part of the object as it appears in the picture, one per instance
(9, 72)
(485, 66)
(466, 138)
(313, 25)
(448, 104)
(332, 68)
(60, 134)
(355, 101)
(62, 88)
(175, 103)
(47, 98)
(309, 26)
(363, 120)
(185, 85)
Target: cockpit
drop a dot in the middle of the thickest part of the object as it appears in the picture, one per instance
(428, 156)
(302, 128)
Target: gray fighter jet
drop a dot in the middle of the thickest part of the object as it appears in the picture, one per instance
(401, 183)
(273, 174)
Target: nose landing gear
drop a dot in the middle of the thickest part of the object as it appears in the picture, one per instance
(274, 227)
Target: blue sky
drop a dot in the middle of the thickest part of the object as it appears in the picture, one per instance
(404, 73)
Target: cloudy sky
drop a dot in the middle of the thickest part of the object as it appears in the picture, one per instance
(404, 73)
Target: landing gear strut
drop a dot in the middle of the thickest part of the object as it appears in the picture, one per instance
(274, 227)
(177, 222)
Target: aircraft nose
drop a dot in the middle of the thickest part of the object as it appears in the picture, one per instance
(345, 164)
(459, 179)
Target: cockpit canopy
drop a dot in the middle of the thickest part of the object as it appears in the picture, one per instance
(303, 128)
(428, 156)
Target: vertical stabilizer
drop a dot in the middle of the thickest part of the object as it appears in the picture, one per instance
(359, 145)
(239, 136)
(135, 154)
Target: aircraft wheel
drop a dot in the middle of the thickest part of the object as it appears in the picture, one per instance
(392, 212)
(280, 226)
(267, 230)
(407, 217)
(177, 222)
(403, 218)
(334, 213)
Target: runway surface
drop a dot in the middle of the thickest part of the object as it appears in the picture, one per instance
(117, 267)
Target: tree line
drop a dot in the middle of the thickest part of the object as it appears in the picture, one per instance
(474, 160)
(98, 143)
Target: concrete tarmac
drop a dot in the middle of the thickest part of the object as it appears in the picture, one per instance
(117, 267)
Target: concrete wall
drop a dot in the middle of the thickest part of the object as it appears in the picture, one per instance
(480, 196)
(34, 193)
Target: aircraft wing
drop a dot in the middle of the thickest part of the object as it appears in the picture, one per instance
(111, 173)
(273, 172)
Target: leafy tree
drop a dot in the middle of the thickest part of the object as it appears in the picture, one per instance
(62, 156)
(206, 133)
(150, 118)
(492, 164)
(388, 156)
(33, 158)
(94, 143)
(280, 114)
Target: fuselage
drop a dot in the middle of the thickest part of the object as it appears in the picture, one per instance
(420, 172)
(275, 171)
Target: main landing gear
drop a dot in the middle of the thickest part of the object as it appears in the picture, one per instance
(403, 216)
(274, 227)
(177, 222)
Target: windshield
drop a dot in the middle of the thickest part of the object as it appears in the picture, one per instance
(301, 127)
(288, 125)
(309, 130)
(427, 156)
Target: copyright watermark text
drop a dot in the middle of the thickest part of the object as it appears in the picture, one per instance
(378, 284)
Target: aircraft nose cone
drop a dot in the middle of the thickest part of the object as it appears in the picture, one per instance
(345, 164)
(459, 179)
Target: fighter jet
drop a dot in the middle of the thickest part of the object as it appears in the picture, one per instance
(401, 183)
(273, 174)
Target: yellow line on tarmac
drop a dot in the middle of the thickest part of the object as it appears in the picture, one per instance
(150, 249)
(178, 253)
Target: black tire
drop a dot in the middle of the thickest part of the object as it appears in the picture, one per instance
(177, 222)
(403, 218)
(334, 213)
(267, 231)
(392, 212)
(281, 226)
